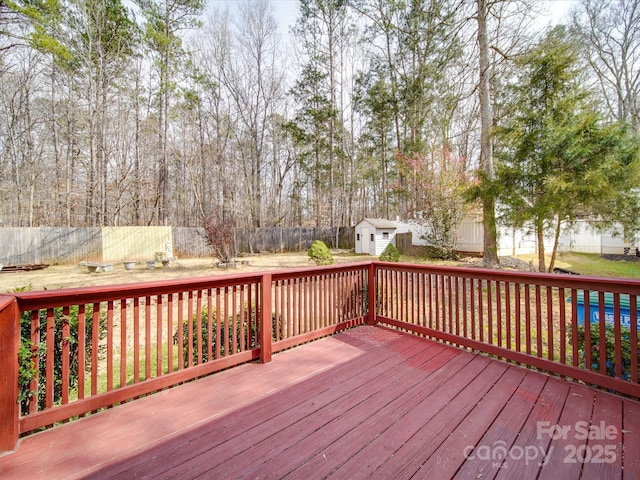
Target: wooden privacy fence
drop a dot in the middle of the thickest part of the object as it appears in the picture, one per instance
(62, 245)
(84, 349)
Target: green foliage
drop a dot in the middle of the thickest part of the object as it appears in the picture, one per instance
(244, 338)
(319, 253)
(28, 352)
(610, 340)
(555, 160)
(390, 254)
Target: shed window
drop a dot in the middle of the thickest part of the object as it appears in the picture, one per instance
(357, 237)
(385, 235)
(373, 238)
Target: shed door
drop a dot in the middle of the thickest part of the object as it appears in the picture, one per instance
(364, 238)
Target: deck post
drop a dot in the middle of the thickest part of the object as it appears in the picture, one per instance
(372, 288)
(265, 318)
(9, 344)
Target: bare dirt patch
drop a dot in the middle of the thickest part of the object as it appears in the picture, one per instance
(71, 276)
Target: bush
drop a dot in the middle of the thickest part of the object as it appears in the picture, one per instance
(610, 341)
(319, 253)
(245, 335)
(390, 254)
(28, 352)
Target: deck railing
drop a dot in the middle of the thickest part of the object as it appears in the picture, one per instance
(534, 319)
(85, 349)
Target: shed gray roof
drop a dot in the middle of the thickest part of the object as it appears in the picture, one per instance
(380, 222)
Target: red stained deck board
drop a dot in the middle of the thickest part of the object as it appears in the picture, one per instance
(366, 401)
(603, 450)
(548, 408)
(578, 407)
(496, 430)
(631, 439)
(364, 421)
(229, 443)
(429, 447)
(250, 449)
(382, 433)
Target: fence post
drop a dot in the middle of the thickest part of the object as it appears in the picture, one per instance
(9, 344)
(265, 318)
(372, 289)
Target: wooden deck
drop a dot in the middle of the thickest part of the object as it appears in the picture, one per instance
(368, 402)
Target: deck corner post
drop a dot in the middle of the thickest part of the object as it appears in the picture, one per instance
(9, 371)
(265, 318)
(372, 288)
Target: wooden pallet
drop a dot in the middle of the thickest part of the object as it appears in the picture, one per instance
(23, 268)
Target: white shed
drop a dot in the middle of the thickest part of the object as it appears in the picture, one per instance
(374, 234)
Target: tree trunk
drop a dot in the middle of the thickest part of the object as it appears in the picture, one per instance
(540, 234)
(556, 240)
(490, 243)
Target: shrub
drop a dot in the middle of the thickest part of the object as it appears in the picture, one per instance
(28, 352)
(228, 342)
(319, 253)
(390, 254)
(610, 341)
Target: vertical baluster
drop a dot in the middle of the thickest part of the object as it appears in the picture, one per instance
(136, 339)
(210, 318)
(65, 351)
(499, 313)
(110, 345)
(199, 326)
(563, 325)
(81, 349)
(190, 339)
(550, 329)
(602, 340)
(35, 360)
(170, 358)
(472, 303)
(242, 319)
(147, 337)
(507, 301)
(480, 311)
(49, 362)
(587, 329)
(518, 319)
(123, 342)
(234, 321)
(617, 334)
(465, 315)
(633, 336)
(159, 319)
(490, 338)
(227, 318)
(527, 318)
(180, 328)
(539, 332)
(219, 323)
(95, 345)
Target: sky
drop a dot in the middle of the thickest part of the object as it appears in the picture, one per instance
(286, 11)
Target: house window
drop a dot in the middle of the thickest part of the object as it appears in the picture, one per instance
(385, 235)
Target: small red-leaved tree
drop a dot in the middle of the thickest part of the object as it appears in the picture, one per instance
(220, 235)
(434, 190)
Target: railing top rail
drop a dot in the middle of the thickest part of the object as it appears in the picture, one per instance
(72, 296)
(581, 282)
(322, 270)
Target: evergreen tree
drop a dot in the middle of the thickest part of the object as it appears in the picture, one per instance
(555, 158)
